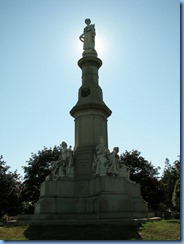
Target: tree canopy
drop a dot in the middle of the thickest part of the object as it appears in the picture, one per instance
(9, 190)
(36, 171)
(143, 172)
(170, 177)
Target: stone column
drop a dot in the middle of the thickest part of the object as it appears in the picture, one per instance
(90, 114)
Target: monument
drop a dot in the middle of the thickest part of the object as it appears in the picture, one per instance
(89, 183)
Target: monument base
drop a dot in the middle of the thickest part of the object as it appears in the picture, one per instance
(99, 200)
(102, 194)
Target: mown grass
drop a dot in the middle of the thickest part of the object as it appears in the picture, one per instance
(161, 230)
(158, 230)
(13, 233)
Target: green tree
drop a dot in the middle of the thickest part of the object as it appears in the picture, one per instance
(176, 196)
(36, 171)
(143, 172)
(170, 176)
(10, 186)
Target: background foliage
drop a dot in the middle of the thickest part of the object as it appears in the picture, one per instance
(10, 188)
(36, 171)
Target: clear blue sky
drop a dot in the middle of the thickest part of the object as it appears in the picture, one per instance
(139, 44)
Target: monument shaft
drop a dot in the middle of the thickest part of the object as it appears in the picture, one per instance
(90, 115)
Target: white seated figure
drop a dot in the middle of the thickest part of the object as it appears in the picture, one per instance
(117, 168)
(70, 163)
(55, 166)
(64, 165)
(114, 162)
(124, 171)
(65, 161)
(101, 159)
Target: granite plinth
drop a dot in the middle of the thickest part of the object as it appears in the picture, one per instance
(100, 197)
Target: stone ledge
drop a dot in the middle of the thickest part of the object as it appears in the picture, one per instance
(125, 222)
(95, 106)
(90, 60)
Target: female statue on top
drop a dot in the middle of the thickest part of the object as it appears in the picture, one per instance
(88, 36)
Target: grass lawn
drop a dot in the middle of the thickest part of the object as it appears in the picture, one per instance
(158, 230)
(161, 230)
(13, 233)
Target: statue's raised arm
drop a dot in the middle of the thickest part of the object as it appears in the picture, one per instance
(88, 36)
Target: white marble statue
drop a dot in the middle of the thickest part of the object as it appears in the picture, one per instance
(88, 36)
(101, 158)
(124, 171)
(70, 165)
(114, 162)
(64, 165)
(116, 167)
(108, 164)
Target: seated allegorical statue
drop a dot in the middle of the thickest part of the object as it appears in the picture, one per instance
(108, 164)
(100, 158)
(64, 165)
(114, 162)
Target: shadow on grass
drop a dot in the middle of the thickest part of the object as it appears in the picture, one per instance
(82, 232)
(176, 221)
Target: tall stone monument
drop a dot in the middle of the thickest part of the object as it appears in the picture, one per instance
(90, 112)
(89, 182)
